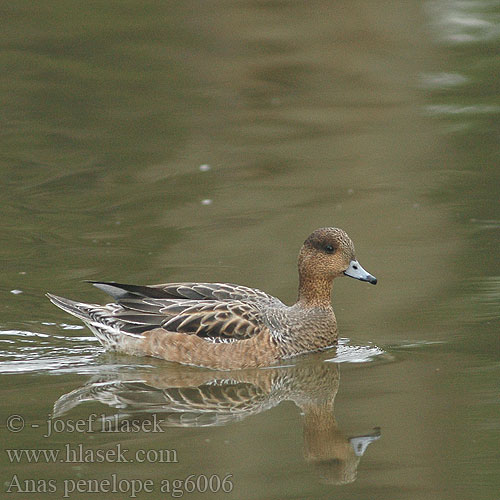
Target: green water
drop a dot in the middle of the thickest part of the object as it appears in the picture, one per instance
(381, 118)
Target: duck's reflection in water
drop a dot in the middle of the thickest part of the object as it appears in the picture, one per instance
(184, 396)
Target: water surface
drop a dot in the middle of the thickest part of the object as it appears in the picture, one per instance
(150, 142)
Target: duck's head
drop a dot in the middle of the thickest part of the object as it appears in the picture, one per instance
(329, 253)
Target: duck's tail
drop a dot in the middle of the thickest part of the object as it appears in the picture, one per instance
(99, 319)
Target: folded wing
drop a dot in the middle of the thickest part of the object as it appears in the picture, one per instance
(217, 312)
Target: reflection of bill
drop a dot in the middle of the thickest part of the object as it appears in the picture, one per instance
(182, 396)
(335, 457)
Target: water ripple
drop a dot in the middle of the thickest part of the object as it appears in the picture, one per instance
(355, 353)
(465, 21)
(23, 351)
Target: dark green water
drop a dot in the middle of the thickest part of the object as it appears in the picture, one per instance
(378, 117)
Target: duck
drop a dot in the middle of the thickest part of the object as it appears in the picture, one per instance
(225, 326)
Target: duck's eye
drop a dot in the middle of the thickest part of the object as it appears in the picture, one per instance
(329, 249)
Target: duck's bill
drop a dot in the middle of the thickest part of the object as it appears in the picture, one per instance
(356, 271)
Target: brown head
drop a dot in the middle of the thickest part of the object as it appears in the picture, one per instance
(325, 255)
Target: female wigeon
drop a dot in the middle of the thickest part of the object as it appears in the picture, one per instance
(224, 326)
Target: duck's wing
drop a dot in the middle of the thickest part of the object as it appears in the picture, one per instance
(211, 319)
(187, 290)
(214, 311)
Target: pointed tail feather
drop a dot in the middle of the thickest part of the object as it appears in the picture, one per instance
(99, 319)
(78, 309)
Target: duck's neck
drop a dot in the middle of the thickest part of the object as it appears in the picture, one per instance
(315, 292)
